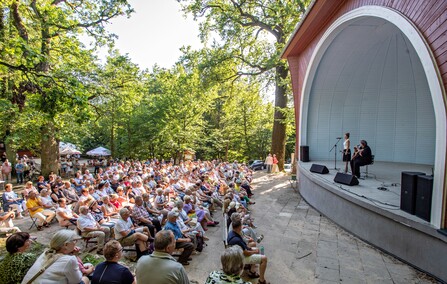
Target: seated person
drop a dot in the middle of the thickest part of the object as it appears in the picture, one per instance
(252, 256)
(18, 260)
(70, 192)
(142, 218)
(46, 199)
(28, 187)
(6, 224)
(110, 271)
(99, 215)
(41, 184)
(91, 229)
(38, 210)
(154, 213)
(360, 158)
(65, 215)
(232, 266)
(160, 266)
(57, 193)
(180, 240)
(184, 219)
(64, 266)
(108, 209)
(128, 235)
(10, 199)
(116, 202)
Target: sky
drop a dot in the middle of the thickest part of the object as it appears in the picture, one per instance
(154, 33)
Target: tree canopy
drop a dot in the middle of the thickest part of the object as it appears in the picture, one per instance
(254, 32)
(53, 88)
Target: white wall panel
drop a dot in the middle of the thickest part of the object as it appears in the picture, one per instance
(370, 82)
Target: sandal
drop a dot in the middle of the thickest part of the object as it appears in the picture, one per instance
(263, 282)
(252, 274)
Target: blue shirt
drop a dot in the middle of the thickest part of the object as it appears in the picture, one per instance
(175, 229)
(236, 239)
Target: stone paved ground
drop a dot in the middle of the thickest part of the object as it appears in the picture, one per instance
(302, 246)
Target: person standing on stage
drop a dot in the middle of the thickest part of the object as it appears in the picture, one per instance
(362, 158)
(346, 151)
(269, 163)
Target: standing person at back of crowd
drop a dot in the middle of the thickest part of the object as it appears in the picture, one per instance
(275, 168)
(6, 171)
(269, 163)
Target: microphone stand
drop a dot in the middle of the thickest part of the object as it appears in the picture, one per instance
(335, 153)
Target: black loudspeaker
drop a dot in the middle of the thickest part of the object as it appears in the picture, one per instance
(304, 153)
(424, 194)
(346, 179)
(408, 191)
(319, 169)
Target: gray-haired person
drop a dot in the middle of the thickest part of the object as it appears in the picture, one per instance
(58, 262)
(160, 266)
(232, 265)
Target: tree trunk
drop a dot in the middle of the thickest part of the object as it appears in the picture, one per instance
(279, 124)
(50, 149)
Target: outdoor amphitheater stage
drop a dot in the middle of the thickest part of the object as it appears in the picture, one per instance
(374, 214)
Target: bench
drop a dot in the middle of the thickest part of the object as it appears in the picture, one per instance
(225, 230)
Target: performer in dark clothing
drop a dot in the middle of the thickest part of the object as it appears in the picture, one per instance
(361, 158)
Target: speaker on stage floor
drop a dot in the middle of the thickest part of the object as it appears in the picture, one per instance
(424, 194)
(408, 191)
(346, 179)
(315, 168)
(304, 153)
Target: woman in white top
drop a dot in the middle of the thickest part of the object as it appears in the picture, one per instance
(346, 151)
(61, 265)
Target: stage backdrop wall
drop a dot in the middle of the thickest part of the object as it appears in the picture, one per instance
(370, 82)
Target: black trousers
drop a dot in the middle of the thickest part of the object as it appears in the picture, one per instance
(356, 164)
(156, 224)
(188, 248)
(150, 227)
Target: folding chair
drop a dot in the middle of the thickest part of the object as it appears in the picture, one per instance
(87, 240)
(33, 224)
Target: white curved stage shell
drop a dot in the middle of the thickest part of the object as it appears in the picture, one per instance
(373, 75)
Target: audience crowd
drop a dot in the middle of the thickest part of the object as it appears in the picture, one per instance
(154, 208)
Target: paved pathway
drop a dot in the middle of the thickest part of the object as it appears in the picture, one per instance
(301, 245)
(304, 247)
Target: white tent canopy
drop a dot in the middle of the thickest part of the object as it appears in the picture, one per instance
(100, 151)
(69, 151)
(66, 148)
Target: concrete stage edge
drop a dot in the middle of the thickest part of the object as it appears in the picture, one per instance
(415, 242)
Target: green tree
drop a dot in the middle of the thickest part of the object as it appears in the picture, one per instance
(254, 32)
(43, 66)
(118, 92)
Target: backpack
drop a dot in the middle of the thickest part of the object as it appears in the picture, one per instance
(200, 243)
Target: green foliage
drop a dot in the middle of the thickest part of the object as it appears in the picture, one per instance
(52, 88)
(44, 69)
(253, 32)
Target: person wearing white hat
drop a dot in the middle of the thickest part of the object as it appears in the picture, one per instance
(57, 264)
